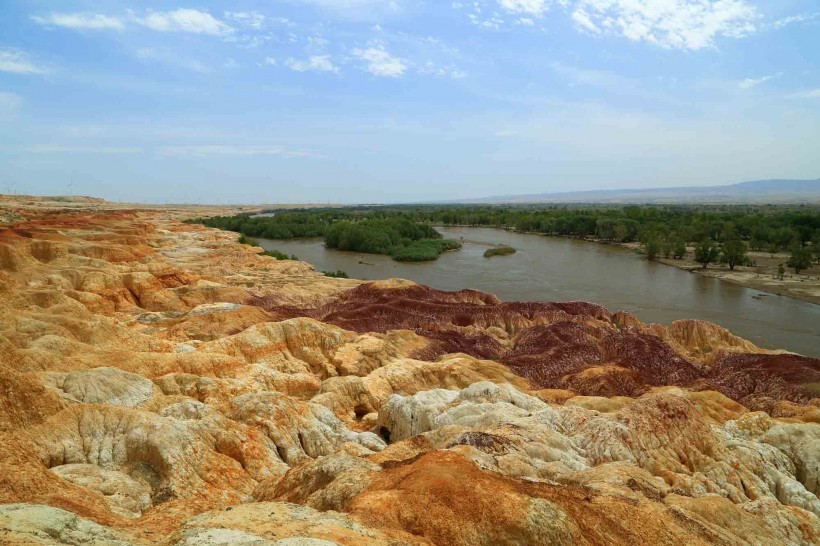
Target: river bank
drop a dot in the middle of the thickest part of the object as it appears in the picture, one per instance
(762, 276)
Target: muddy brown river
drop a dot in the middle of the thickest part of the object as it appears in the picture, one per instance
(559, 269)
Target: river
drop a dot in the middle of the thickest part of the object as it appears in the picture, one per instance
(560, 269)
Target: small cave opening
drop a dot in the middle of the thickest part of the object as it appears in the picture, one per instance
(385, 434)
(360, 411)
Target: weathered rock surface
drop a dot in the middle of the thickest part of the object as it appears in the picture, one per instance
(162, 384)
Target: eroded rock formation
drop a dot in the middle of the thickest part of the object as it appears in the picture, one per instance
(162, 384)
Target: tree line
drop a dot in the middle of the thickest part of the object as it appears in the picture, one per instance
(720, 233)
(373, 232)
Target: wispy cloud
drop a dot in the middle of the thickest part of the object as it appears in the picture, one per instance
(529, 7)
(430, 68)
(80, 21)
(314, 63)
(680, 24)
(380, 62)
(233, 150)
(178, 20)
(51, 149)
(252, 19)
(359, 10)
(810, 94)
(748, 83)
(582, 20)
(795, 20)
(171, 59)
(184, 20)
(19, 62)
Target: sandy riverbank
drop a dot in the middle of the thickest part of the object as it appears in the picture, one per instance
(762, 276)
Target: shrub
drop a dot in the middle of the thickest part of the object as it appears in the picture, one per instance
(279, 255)
(243, 240)
(499, 251)
(424, 250)
(800, 259)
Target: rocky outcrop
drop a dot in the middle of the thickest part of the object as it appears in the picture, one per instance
(162, 384)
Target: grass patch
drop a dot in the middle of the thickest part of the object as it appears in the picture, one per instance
(279, 255)
(244, 240)
(499, 251)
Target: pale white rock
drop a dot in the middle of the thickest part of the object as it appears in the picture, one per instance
(124, 495)
(102, 386)
(35, 524)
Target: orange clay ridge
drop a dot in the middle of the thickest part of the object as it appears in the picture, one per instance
(161, 383)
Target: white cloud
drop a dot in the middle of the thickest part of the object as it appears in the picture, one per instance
(810, 94)
(794, 19)
(582, 20)
(185, 20)
(232, 150)
(314, 63)
(252, 19)
(172, 59)
(358, 9)
(270, 61)
(19, 62)
(80, 21)
(49, 149)
(748, 83)
(681, 24)
(530, 7)
(430, 68)
(380, 62)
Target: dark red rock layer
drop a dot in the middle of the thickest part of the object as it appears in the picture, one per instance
(572, 345)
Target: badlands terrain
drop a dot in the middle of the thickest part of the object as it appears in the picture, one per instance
(162, 384)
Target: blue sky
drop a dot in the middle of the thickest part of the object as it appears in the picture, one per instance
(385, 101)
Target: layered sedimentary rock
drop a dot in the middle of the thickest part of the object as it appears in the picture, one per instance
(162, 384)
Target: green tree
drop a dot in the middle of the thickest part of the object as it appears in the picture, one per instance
(800, 259)
(733, 253)
(781, 271)
(621, 232)
(706, 253)
(772, 250)
(605, 229)
(679, 250)
(652, 250)
(786, 237)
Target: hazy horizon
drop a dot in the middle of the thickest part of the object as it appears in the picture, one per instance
(365, 101)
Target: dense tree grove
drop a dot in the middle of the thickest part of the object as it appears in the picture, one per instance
(373, 232)
(406, 233)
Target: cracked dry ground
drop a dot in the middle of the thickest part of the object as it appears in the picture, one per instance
(162, 384)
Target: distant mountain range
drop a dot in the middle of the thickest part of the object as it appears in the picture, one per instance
(758, 191)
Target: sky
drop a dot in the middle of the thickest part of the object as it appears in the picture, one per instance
(377, 101)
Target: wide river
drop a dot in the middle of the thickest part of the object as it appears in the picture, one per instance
(559, 269)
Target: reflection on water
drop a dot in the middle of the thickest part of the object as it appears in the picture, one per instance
(558, 269)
